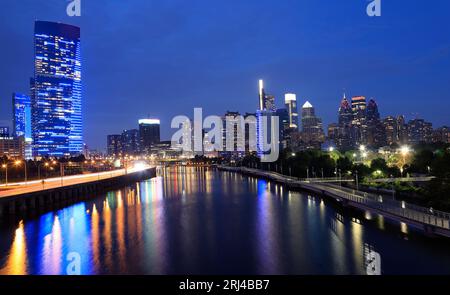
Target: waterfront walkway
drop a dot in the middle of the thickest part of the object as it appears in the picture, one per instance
(429, 220)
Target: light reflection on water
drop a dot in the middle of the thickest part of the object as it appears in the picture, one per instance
(201, 221)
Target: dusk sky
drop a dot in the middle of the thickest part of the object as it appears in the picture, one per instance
(163, 58)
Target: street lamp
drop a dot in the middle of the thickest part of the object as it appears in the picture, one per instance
(46, 165)
(5, 166)
(404, 151)
(25, 168)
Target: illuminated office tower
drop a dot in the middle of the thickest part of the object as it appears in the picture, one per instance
(262, 95)
(114, 145)
(266, 101)
(312, 128)
(149, 134)
(57, 127)
(290, 100)
(130, 142)
(22, 120)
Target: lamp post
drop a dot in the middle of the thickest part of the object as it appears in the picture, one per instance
(404, 150)
(61, 168)
(5, 166)
(25, 168)
(357, 181)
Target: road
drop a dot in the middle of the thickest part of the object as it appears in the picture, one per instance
(50, 183)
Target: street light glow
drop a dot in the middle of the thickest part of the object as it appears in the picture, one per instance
(404, 150)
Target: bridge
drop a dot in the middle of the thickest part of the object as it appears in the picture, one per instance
(430, 221)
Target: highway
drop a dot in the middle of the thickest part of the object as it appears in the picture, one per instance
(19, 188)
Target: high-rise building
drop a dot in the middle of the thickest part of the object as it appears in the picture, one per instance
(285, 127)
(333, 132)
(358, 104)
(419, 131)
(262, 95)
(149, 133)
(4, 132)
(390, 129)
(312, 129)
(290, 101)
(12, 147)
(56, 91)
(21, 105)
(441, 134)
(130, 142)
(266, 101)
(344, 138)
(265, 132)
(250, 133)
(233, 133)
(114, 145)
(359, 126)
(374, 131)
(21, 115)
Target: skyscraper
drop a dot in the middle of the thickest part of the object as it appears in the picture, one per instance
(56, 90)
(284, 124)
(390, 128)
(359, 107)
(149, 134)
(419, 131)
(130, 142)
(21, 105)
(114, 145)
(262, 95)
(374, 131)
(21, 115)
(266, 101)
(312, 129)
(290, 101)
(233, 133)
(344, 138)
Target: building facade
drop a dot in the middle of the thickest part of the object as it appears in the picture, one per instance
(312, 129)
(114, 145)
(149, 134)
(57, 126)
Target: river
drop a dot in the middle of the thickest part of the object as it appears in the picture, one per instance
(203, 221)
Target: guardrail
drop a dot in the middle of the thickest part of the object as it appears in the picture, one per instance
(402, 209)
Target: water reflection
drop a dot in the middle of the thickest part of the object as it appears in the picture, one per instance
(201, 221)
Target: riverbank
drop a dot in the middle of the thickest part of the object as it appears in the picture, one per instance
(431, 222)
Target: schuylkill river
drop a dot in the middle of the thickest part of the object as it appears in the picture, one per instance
(203, 221)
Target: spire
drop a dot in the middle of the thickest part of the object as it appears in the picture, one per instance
(307, 105)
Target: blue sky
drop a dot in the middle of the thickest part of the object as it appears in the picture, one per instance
(163, 58)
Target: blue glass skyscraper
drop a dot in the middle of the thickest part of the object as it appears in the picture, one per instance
(22, 120)
(56, 91)
(21, 116)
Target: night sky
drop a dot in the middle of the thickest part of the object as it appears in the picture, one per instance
(163, 58)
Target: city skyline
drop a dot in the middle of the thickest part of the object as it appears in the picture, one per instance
(404, 89)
